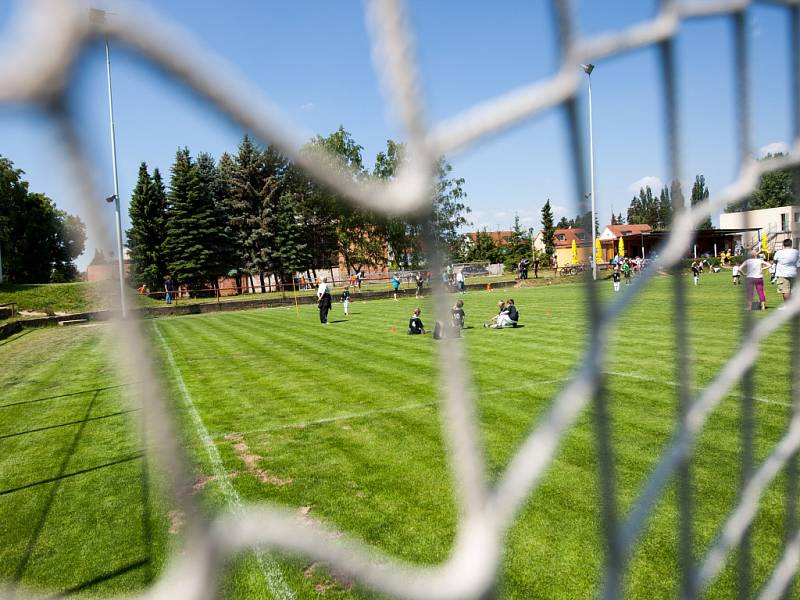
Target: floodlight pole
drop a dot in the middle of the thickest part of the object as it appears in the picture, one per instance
(588, 68)
(120, 257)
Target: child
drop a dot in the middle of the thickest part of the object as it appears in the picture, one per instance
(695, 272)
(459, 315)
(615, 276)
(419, 281)
(773, 267)
(395, 284)
(501, 319)
(735, 274)
(513, 313)
(626, 272)
(415, 326)
(346, 300)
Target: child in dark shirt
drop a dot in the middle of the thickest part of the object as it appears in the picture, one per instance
(415, 326)
(459, 315)
(615, 277)
(346, 300)
(513, 313)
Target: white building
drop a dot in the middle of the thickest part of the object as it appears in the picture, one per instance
(778, 223)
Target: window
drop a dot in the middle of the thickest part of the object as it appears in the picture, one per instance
(797, 217)
(581, 236)
(561, 237)
(784, 221)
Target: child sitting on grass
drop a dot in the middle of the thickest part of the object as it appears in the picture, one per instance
(415, 326)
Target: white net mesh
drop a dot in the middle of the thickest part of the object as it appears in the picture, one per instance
(37, 66)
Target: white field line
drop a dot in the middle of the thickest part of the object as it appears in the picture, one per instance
(369, 413)
(414, 406)
(267, 565)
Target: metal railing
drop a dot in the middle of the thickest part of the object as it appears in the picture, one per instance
(37, 67)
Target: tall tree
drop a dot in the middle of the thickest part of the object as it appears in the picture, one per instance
(775, 188)
(146, 235)
(548, 229)
(248, 202)
(193, 230)
(291, 252)
(664, 209)
(403, 234)
(449, 210)
(699, 194)
(38, 241)
(644, 208)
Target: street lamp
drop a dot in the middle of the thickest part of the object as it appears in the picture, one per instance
(588, 68)
(99, 16)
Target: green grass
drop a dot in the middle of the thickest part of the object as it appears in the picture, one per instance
(344, 419)
(57, 297)
(102, 295)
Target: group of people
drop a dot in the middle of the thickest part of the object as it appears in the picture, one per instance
(524, 266)
(622, 271)
(782, 269)
(507, 316)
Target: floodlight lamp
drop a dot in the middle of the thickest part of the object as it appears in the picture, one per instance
(111, 198)
(588, 68)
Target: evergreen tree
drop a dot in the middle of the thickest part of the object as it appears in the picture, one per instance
(247, 204)
(193, 229)
(644, 208)
(564, 223)
(146, 235)
(291, 253)
(699, 194)
(664, 209)
(548, 229)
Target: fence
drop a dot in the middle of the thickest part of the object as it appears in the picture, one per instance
(37, 70)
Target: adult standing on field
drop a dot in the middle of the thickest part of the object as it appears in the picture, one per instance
(324, 300)
(460, 281)
(754, 279)
(786, 269)
(536, 267)
(169, 289)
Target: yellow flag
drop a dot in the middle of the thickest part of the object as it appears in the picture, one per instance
(574, 253)
(598, 251)
(764, 244)
(621, 248)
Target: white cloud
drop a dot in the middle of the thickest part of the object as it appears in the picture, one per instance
(307, 107)
(773, 148)
(654, 182)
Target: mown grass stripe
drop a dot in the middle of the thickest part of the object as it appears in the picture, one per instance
(267, 565)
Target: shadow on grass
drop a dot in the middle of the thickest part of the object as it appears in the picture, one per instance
(73, 474)
(102, 578)
(37, 429)
(37, 530)
(89, 391)
(14, 339)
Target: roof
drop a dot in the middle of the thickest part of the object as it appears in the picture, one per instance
(575, 233)
(497, 236)
(629, 229)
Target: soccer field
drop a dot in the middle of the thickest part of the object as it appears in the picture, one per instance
(341, 424)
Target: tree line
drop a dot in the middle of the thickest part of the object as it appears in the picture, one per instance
(38, 242)
(254, 215)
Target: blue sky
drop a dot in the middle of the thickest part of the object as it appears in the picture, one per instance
(312, 59)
